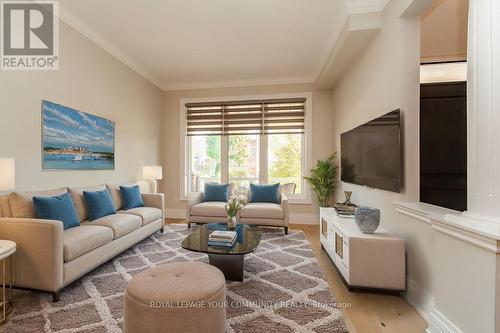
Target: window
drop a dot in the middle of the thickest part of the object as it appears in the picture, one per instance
(244, 142)
(205, 161)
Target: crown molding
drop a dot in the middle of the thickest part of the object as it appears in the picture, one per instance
(238, 83)
(95, 37)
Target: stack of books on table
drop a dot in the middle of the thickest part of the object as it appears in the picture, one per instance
(222, 238)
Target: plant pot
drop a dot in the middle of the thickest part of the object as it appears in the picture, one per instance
(367, 219)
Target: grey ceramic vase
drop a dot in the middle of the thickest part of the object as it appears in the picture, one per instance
(367, 219)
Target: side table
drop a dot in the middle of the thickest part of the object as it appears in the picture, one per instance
(7, 248)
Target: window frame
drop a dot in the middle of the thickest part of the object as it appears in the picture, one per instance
(185, 151)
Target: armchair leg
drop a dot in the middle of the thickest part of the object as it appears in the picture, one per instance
(162, 229)
(286, 230)
(189, 225)
(56, 296)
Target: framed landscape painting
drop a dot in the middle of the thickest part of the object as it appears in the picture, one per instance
(76, 140)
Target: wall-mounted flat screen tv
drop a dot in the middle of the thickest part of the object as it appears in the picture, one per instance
(371, 153)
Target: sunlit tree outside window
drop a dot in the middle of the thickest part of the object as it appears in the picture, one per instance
(249, 141)
(245, 163)
(243, 157)
(285, 159)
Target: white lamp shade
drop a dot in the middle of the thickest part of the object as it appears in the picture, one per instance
(152, 172)
(7, 174)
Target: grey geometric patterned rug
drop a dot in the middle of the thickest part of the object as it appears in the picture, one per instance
(284, 290)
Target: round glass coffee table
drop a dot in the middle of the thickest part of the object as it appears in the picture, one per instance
(228, 259)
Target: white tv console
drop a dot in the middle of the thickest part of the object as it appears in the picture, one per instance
(366, 261)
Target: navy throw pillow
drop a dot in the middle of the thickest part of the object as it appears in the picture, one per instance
(131, 197)
(265, 193)
(99, 204)
(60, 208)
(216, 192)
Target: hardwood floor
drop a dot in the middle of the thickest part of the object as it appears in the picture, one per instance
(368, 312)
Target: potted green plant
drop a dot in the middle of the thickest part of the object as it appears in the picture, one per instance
(323, 180)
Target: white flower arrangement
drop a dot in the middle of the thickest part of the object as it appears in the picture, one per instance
(235, 204)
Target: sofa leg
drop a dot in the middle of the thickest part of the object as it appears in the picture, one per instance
(286, 230)
(162, 229)
(56, 296)
(189, 225)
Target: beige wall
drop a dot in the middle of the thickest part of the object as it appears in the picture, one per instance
(444, 31)
(384, 78)
(91, 80)
(322, 136)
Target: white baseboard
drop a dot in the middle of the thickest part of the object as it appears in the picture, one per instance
(175, 213)
(419, 298)
(438, 323)
(424, 303)
(304, 219)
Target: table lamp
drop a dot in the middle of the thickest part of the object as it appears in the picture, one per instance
(153, 173)
(7, 174)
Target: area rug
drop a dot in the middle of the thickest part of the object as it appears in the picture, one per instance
(284, 290)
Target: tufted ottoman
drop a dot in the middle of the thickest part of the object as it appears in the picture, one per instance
(177, 297)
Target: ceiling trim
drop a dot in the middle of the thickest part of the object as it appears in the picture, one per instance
(92, 35)
(239, 83)
(358, 30)
(332, 42)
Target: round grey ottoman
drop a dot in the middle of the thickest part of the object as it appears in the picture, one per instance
(177, 297)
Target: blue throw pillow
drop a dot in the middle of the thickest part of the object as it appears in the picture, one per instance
(60, 208)
(216, 192)
(131, 197)
(99, 204)
(265, 193)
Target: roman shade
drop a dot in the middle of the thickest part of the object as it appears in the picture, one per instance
(276, 116)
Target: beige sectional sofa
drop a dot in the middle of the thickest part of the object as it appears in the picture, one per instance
(256, 213)
(49, 258)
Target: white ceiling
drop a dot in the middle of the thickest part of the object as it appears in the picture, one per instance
(182, 44)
